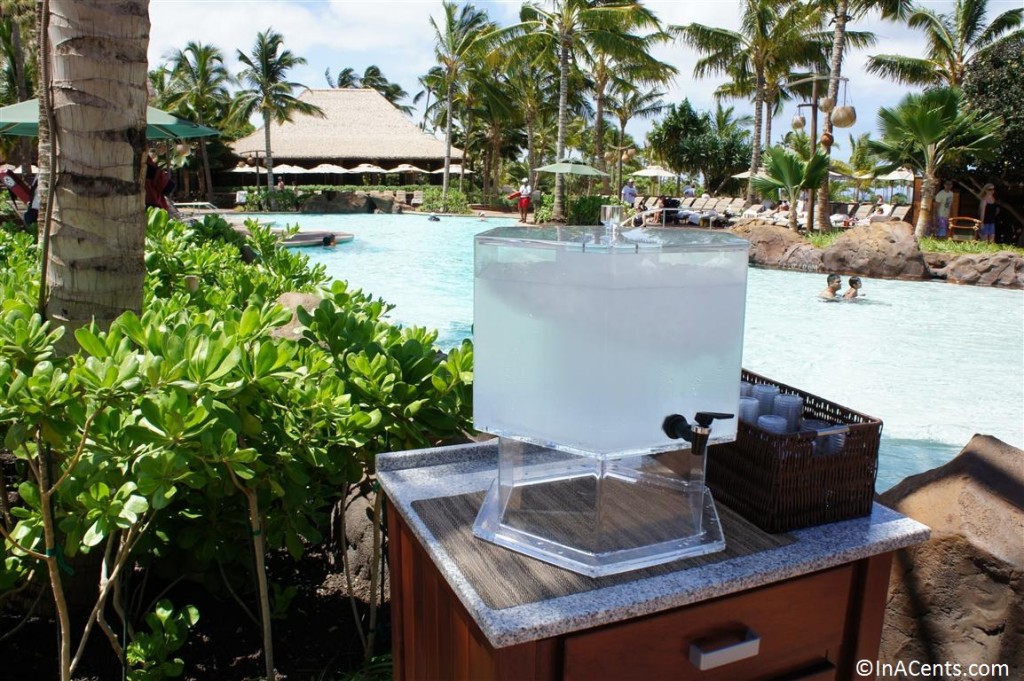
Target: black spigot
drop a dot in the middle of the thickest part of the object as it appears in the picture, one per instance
(677, 427)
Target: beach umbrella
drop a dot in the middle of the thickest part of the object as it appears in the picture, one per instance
(454, 169)
(328, 168)
(407, 168)
(653, 171)
(22, 120)
(745, 175)
(285, 169)
(243, 169)
(367, 168)
(898, 175)
(567, 168)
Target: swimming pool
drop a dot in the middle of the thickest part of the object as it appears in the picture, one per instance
(936, 362)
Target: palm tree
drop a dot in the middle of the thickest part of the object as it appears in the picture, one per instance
(839, 13)
(770, 34)
(18, 55)
(928, 130)
(571, 28)
(784, 169)
(861, 164)
(266, 89)
(432, 83)
(372, 78)
(953, 41)
(627, 103)
(198, 89)
(462, 32)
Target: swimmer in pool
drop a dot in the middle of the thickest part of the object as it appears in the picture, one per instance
(851, 292)
(835, 283)
(434, 218)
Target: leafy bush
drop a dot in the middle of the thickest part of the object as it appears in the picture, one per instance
(169, 436)
(457, 202)
(586, 210)
(546, 209)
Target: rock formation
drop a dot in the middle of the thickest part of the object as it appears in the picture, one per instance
(293, 301)
(778, 246)
(984, 269)
(349, 202)
(878, 249)
(959, 597)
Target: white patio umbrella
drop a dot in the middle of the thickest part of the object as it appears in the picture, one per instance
(327, 168)
(367, 168)
(285, 169)
(653, 171)
(453, 169)
(745, 175)
(901, 176)
(407, 168)
(243, 169)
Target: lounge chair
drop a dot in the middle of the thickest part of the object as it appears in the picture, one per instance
(964, 229)
(417, 198)
(900, 213)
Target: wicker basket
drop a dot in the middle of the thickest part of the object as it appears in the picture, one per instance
(779, 483)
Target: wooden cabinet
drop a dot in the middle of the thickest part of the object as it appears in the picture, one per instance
(815, 626)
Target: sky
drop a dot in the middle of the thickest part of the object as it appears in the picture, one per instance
(396, 35)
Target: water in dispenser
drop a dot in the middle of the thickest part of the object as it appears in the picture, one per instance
(593, 349)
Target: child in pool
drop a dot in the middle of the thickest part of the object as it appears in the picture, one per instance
(851, 292)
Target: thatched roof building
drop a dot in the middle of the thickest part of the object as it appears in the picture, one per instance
(359, 126)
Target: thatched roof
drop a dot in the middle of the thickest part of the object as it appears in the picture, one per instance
(359, 125)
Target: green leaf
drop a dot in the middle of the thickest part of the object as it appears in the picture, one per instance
(90, 343)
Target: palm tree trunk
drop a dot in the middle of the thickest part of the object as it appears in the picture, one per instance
(95, 267)
(769, 106)
(599, 140)
(24, 147)
(207, 176)
(924, 211)
(270, 156)
(558, 211)
(838, 45)
(531, 153)
(448, 145)
(755, 158)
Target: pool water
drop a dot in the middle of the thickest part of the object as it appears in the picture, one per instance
(936, 362)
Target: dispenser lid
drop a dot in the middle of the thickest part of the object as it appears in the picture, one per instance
(596, 239)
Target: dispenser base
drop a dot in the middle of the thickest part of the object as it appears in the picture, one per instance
(602, 525)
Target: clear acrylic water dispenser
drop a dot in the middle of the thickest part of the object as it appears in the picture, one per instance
(601, 360)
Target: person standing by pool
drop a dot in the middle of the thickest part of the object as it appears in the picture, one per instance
(834, 283)
(524, 199)
(943, 207)
(629, 192)
(987, 213)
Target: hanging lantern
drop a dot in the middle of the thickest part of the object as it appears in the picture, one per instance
(826, 140)
(844, 116)
(799, 122)
(826, 104)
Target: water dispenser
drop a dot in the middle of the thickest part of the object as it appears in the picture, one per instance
(605, 362)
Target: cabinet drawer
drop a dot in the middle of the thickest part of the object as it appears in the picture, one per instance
(780, 629)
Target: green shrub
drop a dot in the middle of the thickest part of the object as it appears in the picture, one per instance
(586, 210)
(545, 210)
(176, 432)
(457, 202)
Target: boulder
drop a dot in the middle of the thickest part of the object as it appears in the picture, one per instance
(338, 202)
(880, 250)
(984, 269)
(293, 301)
(959, 597)
(778, 246)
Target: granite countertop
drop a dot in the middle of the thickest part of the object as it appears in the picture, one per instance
(408, 477)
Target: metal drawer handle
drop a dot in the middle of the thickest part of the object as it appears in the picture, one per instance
(719, 657)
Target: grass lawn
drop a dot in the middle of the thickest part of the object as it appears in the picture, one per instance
(928, 244)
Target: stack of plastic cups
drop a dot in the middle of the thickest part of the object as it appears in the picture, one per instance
(749, 410)
(820, 443)
(746, 388)
(791, 408)
(765, 395)
(772, 424)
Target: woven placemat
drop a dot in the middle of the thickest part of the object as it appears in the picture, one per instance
(505, 579)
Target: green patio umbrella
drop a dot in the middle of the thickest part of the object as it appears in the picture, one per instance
(22, 120)
(567, 168)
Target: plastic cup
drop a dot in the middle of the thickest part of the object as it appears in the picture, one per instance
(765, 395)
(746, 389)
(790, 407)
(749, 410)
(772, 424)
